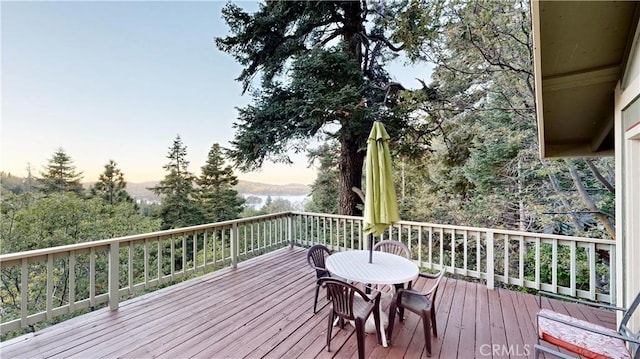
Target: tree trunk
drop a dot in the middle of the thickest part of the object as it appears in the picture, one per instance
(351, 158)
(350, 164)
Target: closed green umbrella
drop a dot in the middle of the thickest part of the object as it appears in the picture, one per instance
(380, 205)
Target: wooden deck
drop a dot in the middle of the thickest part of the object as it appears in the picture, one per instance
(264, 309)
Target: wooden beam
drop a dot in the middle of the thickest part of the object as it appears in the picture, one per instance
(581, 78)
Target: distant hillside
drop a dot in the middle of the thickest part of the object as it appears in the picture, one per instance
(140, 191)
(292, 189)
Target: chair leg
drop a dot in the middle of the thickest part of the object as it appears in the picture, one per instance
(315, 302)
(399, 286)
(331, 316)
(401, 314)
(360, 335)
(434, 325)
(392, 317)
(376, 319)
(426, 324)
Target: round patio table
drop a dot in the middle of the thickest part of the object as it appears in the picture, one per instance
(386, 269)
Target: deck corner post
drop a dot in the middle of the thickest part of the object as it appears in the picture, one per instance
(490, 261)
(114, 276)
(290, 230)
(234, 245)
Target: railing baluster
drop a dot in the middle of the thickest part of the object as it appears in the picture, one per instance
(160, 271)
(521, 259)
(420, 245)
(612, 274)
(173, 257)
(195, 251)
(114, 275)
(442, 248)
(592, 270)
(49, 300)
(430, 247)
(352, 234)
(72, 281)
(344, 233)
(24, 292)
(490, 261)
(554, 269)
(234, 245)
(465, 237)
(130, 268)
(478, 255)
(537, 269)
(506, 243)
(92, 277)
(572, 268)
(146, 263)
(453, 250)
(184, 255)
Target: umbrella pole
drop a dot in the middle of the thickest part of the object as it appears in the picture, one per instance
(370, 247)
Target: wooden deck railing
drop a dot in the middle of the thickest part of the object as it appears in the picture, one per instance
(42, 284)
(39, 285)
(575, 266)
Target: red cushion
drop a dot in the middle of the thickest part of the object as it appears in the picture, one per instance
(577, 340)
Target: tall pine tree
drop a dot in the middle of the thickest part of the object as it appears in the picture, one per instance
(322, 69)
(217, 198)
(111, 186)
(178, 208)
(60, 175)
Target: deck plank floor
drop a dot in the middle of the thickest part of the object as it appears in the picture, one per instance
(263, 309)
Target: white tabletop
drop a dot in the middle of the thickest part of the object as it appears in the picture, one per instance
(386, 268)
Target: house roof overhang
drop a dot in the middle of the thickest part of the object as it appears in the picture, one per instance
(580, 53)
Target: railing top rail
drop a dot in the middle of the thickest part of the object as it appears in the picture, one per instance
(136, 237)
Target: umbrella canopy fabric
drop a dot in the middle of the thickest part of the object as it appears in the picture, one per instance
(380, 206)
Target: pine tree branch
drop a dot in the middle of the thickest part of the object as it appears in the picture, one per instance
(556, 187)
(387, 42)
(596, 172)
(606, 222)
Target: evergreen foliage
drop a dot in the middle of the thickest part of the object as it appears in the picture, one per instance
(179, 207)
(33, 222)
(60, 175)
(322, 76)
(216, 196)
(323, 189)
(484, 168)
(111, 186)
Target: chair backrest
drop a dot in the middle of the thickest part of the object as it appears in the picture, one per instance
(625, 330)
(316, 258)
(393, 247)
(342, 295)
(433, 290)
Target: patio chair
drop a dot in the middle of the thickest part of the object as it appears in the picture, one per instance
(350, 303)
(397, 248)
(421, 303)
(316, 256)
(583, 338)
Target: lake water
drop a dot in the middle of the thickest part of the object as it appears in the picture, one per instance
(296, 201)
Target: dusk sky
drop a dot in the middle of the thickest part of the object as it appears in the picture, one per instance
(119, 80)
